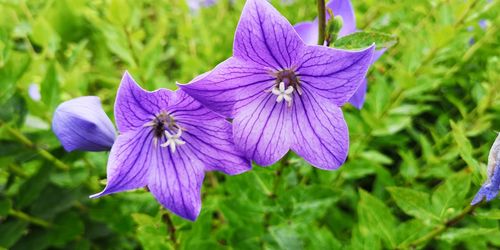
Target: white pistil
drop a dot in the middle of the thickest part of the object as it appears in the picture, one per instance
(283, 94)
(173, 140)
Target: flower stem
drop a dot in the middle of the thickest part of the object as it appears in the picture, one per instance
(23, 216)
(439, 229)
(44, 153)
(321, 22)
(170, 228)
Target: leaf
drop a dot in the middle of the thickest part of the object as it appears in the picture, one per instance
(11, 232)
(492, 214)
(67, 226)
(375, 218)
(31, 189)
(286, 237)
(413, 202)
(363, 39)
(50, 87)
(151, 232)
(464, 146)
(459, 234)
(5, 206)
(450, 196)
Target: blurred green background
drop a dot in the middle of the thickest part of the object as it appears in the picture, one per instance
(418, 148)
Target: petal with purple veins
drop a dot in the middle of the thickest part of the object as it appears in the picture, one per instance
(130, 161)
(82, 124)
(308, 31)
(135, 106)
(208, 135)
(233, 81)
(333, 73)
(358, 99)
(320, 134)
(175, 181)
(265, 37)
(262, 130)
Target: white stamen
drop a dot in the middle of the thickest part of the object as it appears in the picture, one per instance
(173, 140)
(282, 93)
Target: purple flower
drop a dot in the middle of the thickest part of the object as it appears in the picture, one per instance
(308, 31)
(490, 188)
(34, 92)
(195, 5)
(81, 124)
(167, 140)
(282, 93)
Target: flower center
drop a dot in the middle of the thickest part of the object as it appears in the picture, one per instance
(164, 127)
(285, 84)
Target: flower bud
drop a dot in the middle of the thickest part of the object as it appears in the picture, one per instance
(82, 124)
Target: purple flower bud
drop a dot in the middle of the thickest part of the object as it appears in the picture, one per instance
(82, 124)
(34, 92)
(342, 9)
(490, 188)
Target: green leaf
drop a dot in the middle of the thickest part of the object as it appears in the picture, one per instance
(363, 39)
(67, 226)
(413, 202)
(31, 189)
(50, 87)
(151, 232)
(459, 234)
(376, 219)
(492, 214)
(464, 146)
(5, 206)
(11, 232)
(286, 237)
(450, 196)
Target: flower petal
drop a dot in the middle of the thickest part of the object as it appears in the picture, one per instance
(82, 124)
(265, 37)
(176, 180)
(490, 189)
(129, 162)
(135, 106)
(358, 99)
(208, 136)
(230, 82)
(320, 132)
(262, 130)
(333, 73)
(308, 31)
(344, 9)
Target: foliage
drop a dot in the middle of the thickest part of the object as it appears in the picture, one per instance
(418, 147)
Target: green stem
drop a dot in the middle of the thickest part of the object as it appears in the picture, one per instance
(439, 229)
(23, 216)
(44, 153)
(321, 22)
(170, 228)
(284, 162)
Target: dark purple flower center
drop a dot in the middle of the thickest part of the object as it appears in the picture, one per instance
(162, 121)
(289, 77)
(286, 83)
(164, 126)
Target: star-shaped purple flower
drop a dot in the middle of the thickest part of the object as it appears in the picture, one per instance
(308, 31)
(167, 140)
(491, 187)
(282, 93)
